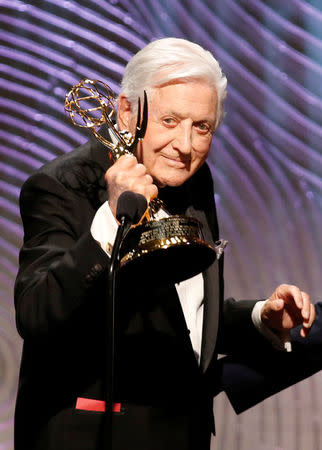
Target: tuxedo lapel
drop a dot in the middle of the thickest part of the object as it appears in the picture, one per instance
(211, 315)
(211, 299)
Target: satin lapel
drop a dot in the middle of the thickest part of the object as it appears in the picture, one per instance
(212, 298)
(211, 315)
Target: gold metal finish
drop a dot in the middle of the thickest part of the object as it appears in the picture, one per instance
(170, 249)
(90, 104)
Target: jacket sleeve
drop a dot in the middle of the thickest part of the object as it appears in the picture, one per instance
(237, 332)
(248, 380)
(60, 262)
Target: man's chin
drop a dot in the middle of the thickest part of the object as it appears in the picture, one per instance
(170, 183)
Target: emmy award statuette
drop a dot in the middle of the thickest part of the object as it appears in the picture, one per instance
(172, 246)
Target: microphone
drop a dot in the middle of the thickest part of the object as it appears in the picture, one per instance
(130, 207)
(129, 210)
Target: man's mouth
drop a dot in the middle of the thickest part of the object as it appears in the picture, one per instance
(176, 162)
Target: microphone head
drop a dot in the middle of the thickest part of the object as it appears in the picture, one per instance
(132, 206)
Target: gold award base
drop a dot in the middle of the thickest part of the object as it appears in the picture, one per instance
(170, 249)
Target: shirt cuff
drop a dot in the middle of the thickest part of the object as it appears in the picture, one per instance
(281, 341)
(104, 228)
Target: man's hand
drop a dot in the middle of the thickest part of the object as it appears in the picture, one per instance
(288, 307)
(127, 174)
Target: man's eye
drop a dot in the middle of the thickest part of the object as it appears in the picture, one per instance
(202, 127)
(169, 121)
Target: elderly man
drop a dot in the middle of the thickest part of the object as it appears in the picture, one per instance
(168, 336)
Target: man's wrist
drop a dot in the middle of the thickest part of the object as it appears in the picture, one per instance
(279, 340)
(104, 228)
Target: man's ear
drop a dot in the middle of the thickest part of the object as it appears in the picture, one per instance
(125, 114)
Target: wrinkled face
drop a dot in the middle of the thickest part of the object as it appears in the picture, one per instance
(179, 132)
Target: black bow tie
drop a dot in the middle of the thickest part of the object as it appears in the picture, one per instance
(175, 199)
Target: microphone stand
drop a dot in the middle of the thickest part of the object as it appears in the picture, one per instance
(130, 208)
(110, 334)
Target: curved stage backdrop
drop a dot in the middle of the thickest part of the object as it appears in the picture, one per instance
(266, 157)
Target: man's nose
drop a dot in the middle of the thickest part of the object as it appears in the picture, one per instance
(183, 140)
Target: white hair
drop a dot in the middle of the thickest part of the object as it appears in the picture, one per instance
(169, 60)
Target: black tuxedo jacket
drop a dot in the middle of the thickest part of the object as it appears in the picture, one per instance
(164, 398)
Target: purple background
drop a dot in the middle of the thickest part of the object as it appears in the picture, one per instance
(266, 159)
